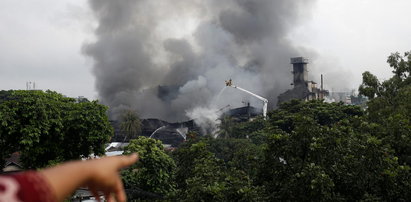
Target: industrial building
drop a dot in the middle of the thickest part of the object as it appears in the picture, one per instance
(303, 89)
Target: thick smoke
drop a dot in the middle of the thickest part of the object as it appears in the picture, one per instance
(169, 59)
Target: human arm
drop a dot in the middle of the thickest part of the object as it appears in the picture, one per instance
(98, 175)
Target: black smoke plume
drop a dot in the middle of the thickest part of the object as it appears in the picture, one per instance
(169, 59)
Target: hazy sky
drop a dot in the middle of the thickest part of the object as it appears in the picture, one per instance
(41, 41)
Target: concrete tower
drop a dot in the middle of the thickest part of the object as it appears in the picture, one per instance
(303, 89)
(300, 71)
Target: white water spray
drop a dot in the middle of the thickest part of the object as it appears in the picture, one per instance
(182, 132)
(219, 94)
(156, 131)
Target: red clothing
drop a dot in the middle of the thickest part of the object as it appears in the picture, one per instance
(25, 187)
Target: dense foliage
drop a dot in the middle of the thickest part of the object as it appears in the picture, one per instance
(47, 128)
(390, 106)
(130, 124)
(322, 151)
(201, 176)
(309, 151)
(153, 173)
(305, 151)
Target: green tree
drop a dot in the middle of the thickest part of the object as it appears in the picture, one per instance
(184, 157)
(317, 151)
(214, 182)
(4, 95)
(389, 107)
(239, 154)
(48, 128)
(130, 124)
(305, 151)
(225, 128)
(250, 130)
(370, 86)
(154, 172)
(7, 141)
(207, 178)
(85, 122)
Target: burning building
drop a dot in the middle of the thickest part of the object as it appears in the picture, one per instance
(302, 88)
(172, 134)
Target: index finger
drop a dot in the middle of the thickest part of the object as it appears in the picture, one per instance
(127, 160)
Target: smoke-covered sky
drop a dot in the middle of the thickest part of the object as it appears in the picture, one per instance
(120, 51)
(135, 52)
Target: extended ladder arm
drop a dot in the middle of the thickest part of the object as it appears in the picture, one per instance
(265, 101)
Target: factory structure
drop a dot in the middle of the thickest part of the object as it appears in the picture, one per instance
(173, 134)
(303, 89)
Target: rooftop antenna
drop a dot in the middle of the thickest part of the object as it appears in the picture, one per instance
(30, 85)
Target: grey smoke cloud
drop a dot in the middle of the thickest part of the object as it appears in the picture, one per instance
(240, 39)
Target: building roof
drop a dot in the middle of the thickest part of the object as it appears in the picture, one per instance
(13, 163)
(299, 60)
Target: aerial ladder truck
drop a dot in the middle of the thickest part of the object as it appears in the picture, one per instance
(265, 101)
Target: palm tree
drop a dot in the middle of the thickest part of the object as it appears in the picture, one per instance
(225, 128)
(130, 124)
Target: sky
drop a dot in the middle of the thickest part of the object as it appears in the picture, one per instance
(42, 41)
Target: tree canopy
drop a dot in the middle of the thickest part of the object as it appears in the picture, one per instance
(327, 151)
(154, 172)
(389, 108)
(47, 128)
(305, 151)
(130, 124)
(309, 151)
